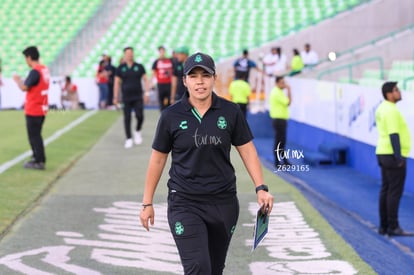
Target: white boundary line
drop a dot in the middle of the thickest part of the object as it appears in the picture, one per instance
(5, 166)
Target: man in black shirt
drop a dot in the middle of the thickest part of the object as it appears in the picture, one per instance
(129, 77)
(199, 131)
(177, 84)
(111, 76)
(243, 65)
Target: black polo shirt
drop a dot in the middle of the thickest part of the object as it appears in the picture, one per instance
(200, 147)
(178, 71)
(131, 86)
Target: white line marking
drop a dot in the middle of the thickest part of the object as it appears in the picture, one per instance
(5, 166)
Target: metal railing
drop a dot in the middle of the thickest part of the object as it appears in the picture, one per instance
(370, 43)
(349, 67)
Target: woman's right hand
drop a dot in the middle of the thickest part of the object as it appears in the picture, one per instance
(147, 214)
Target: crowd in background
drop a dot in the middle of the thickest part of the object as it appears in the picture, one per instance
(166, 78)
(273, 64)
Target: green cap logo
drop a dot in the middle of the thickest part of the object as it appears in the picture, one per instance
(221, 123)
(198, 58)
(179, 228)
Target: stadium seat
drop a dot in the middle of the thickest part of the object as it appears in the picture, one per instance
(221, 28)
(47, 24)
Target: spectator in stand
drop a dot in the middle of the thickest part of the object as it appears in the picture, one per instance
(281, 64)
(102, 81)
(177, 84)
(270, 62)
(70, 94)
(243, 65)
(309, 57)
(240, 91)
(296, 65)
(110, 69)
(162, 69)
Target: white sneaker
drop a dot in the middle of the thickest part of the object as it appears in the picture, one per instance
(128, 143)
(137, 137)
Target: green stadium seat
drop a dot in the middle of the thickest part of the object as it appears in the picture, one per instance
(372, 74)
(227, 26)
(410, 86)
(45, 23)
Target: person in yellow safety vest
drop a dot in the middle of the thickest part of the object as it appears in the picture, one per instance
(296, 65)
(279, 113)
(240, 91)
(393, 148)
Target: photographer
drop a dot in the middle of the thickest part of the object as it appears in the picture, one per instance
(69, 94)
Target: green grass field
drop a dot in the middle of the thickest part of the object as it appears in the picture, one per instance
(20, 188)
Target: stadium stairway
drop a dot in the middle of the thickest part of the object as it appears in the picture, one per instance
(348, 200)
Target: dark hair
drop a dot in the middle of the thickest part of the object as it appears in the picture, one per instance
(388, 87)
(245, 52)
(128, 48)
(279, 50)
(296, 52)
(33, 52)
(161, 48)
(68, 79)
(278, 78)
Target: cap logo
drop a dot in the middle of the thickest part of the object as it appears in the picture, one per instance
(198, 58)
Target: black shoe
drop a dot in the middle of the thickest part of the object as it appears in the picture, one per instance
(382, 231)
(399, 232)
(34, 165)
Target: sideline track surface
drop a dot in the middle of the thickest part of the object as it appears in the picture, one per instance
(349, 201)
(88, 224)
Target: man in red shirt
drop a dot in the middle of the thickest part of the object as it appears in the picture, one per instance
(36, 86)
(162, 68)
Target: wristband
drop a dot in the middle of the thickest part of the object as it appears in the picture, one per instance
(262, 187)
(146, 205)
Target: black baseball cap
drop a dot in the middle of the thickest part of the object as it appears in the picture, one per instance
(199, 60)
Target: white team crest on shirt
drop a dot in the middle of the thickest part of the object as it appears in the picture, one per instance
(221, 123)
